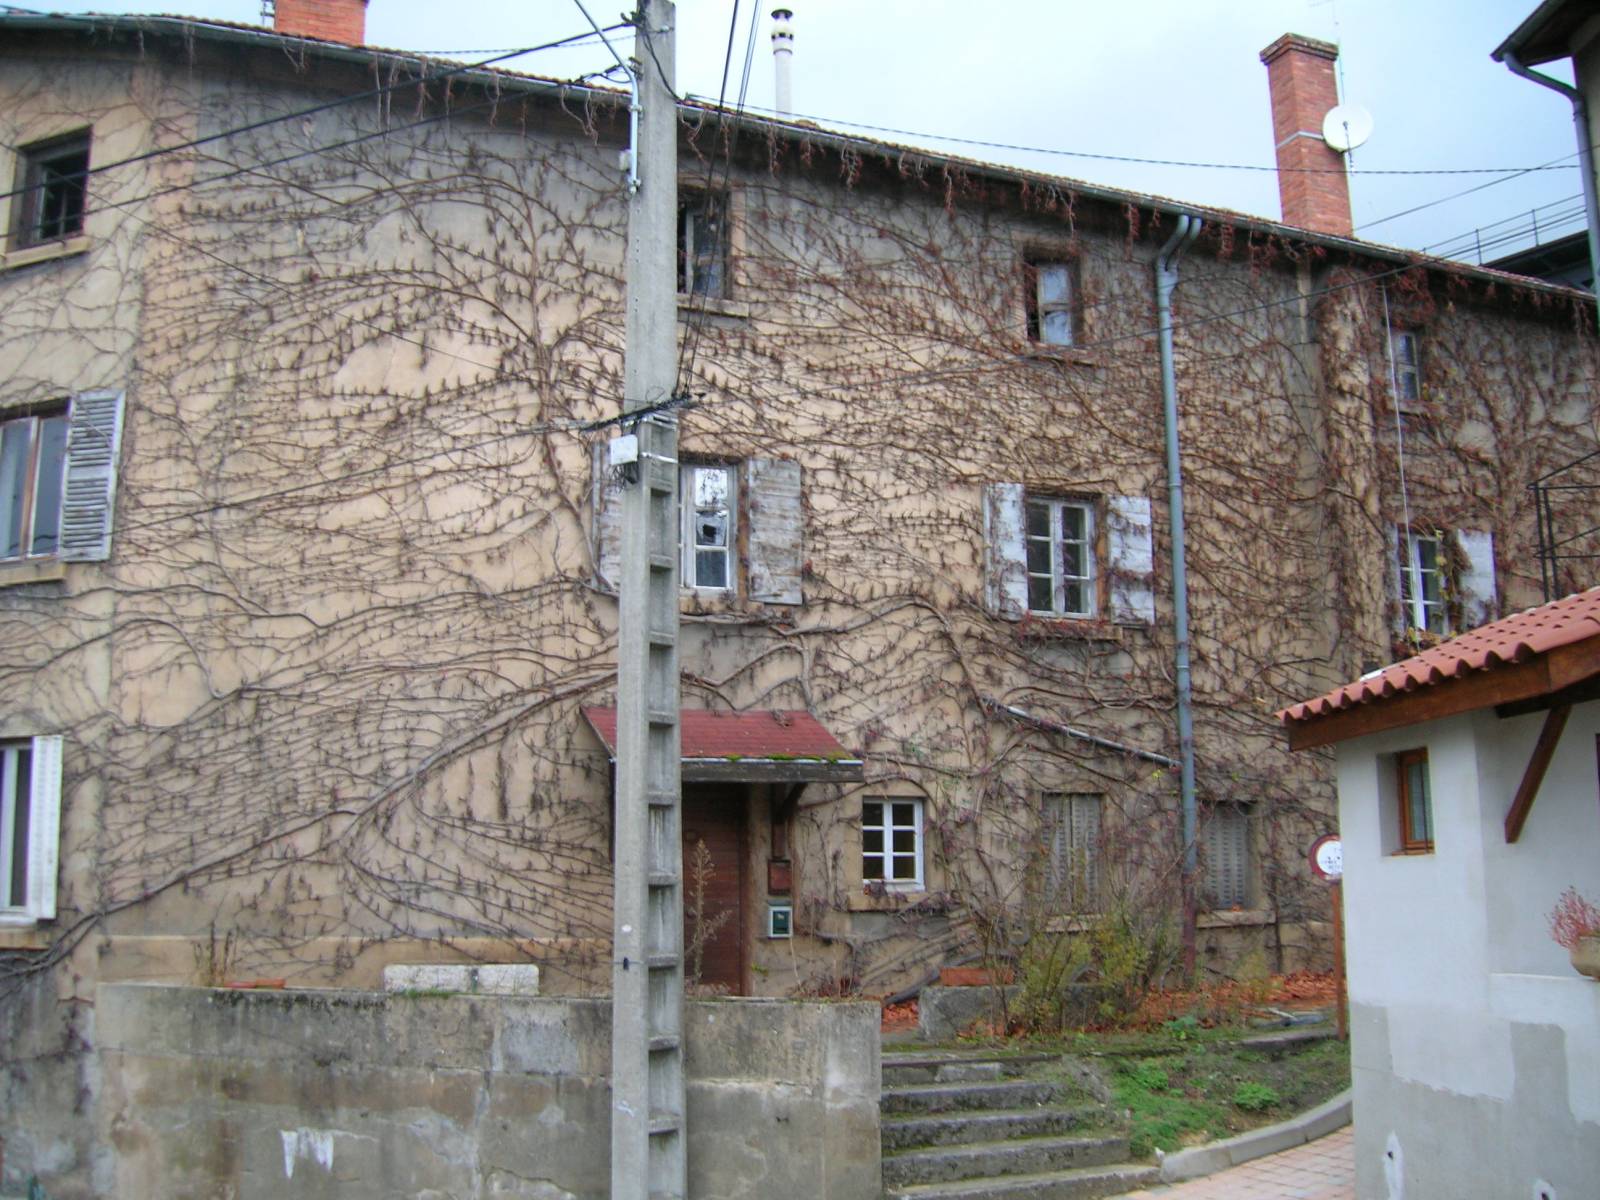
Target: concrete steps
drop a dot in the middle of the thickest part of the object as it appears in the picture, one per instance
(971, 1126)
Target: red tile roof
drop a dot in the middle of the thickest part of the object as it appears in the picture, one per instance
(1512, 639)
(762, 733)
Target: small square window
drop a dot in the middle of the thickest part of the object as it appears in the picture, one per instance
(702, 246)
(891, 843)
(1050, 297)
(52, 190)
(707, 538)
(1060, 542)
(1415, 796)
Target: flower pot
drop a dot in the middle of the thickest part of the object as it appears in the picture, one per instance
(1586, 956)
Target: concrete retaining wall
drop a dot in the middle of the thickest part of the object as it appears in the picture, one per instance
(301, 1095)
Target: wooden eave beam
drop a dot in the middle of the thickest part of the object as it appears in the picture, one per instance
(1538, 762)
(1564, 667)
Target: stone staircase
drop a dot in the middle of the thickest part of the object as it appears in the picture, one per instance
(1024, 1127)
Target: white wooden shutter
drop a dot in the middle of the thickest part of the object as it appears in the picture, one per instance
(1130, 554)
(776, 525)
(44, 827)
(605, 500)
(90, 488)
(1005, 551)
(1476, 584)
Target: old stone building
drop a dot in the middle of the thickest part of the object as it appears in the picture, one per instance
(306, 622)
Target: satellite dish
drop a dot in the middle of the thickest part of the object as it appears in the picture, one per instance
(1346, 126)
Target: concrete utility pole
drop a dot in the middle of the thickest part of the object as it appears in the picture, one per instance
(648, 1140)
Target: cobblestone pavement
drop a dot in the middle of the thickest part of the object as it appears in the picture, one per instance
(1321, 1170)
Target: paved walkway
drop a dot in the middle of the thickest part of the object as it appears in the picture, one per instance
(1321, 1170)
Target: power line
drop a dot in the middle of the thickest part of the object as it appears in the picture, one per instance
(1125, 158)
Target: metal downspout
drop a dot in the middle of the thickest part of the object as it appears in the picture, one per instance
(1166, 279)
(1580, 118)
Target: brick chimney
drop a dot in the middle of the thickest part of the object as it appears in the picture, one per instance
(1312, 186)
(330, 20)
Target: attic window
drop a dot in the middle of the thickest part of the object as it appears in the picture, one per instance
(1050, 291)
(52, 190)
(702, 246)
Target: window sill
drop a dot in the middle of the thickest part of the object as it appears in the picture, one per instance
(1411, 852)
(1235, 918)
(1068, 355)
(38, 570)
(47, 252)
(887, 898)
(713, 305)
(1035, 628)
(25, 934)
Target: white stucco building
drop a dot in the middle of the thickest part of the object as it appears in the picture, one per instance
(1469, 799)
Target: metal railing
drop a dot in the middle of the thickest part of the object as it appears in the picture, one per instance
(1564, 503)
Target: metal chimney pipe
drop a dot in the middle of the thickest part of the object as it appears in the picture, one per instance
(782, 53)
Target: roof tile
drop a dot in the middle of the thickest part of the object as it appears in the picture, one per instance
(1512, 639)
(760, 733)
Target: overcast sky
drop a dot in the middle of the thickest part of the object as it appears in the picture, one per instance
(1162, 79)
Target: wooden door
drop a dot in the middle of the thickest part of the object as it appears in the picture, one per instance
(714, 816)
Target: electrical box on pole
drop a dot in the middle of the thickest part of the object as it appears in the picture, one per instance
(648, 1138)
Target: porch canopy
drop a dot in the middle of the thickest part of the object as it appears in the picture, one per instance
(763, 745)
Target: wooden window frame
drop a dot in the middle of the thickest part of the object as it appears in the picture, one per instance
(1415, 606)
(1410, 843)
(697, 206)
(688, 547)
(887, 826)
(28, 490)
(1405, 355)
(1056, 506)
(33, 163)
(1036, 308)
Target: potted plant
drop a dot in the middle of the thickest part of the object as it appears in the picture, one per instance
(1575, 924)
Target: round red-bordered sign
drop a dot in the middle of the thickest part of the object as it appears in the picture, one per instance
(1327, 857)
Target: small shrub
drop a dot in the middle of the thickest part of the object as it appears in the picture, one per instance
(1254, 1097)
(1149, 1077)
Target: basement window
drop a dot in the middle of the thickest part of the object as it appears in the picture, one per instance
(52, 190)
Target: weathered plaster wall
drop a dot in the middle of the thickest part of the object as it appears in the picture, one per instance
(1470, 1029)
(320, 1094)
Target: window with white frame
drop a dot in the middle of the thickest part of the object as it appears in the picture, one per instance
(1050, 298)
(1060, 557)
(1225, 843)
(1072, 848)
(33, 454)
(891, 843)
(702, 245)
(30, 806)
(1405, 350)
(51, 191)
(707, 506)
(1423, 579)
